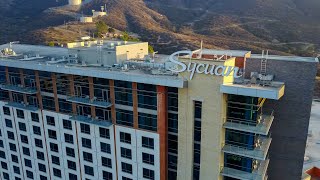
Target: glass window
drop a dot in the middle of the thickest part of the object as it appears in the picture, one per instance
(56, 172)
(126, 153)
(42, 167)
(106, 162)
(54, 147)
(147, 121)
(104, 133)
(55, 160)
(24, 139)
(70, 152)
(6, 110)
(22, 126)
(68, 138)
(35, 117)
(36, 130)
(85, 128)
(50, 120)
(148, 158)
(87, 157)
(10, 135)
(72, 176)
(4, 165)
(125, 137)
(86, 143)
(88, 170)
(106, 175)
(52, 134)
(72, 165)
(148, 174)
(8, 123)
(16, 169)
(147, 142)
(127, 168)
(40, 155)
(27, 163)
(105, 147)
(124, 117)
(26, 151)
(67, 124)
(14, 158)
(20, 113)
(13, 147)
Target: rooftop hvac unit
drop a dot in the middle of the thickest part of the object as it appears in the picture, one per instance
(257, 143)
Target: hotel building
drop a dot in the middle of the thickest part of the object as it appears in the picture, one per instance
(108, 111)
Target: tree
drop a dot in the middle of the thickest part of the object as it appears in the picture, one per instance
(125, 36)
(111, 30)
(150, 49)
(102, 28)
(51, 43)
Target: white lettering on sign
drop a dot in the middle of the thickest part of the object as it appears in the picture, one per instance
(200, 68)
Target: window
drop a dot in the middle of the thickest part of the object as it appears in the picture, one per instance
(22, 126)
(1, 143)
(72, 165)
(5, 176)
(13, 147)
(16, 169)
(85, 128)
(105, 147)
(126, 153)
(72, 176)
(67, 124)
(36, 130)
(4, 165)
(10, 135)
(55, 160)
(14, 158)
(127, 168)
(42, 167)
(52, 134)
(125, 137)
(6, 110)
(104, 133)
(148, 174)
(2, 155)
(43, 177)
(54, 147)
(16, 178)
(40, 155)
(35, 117)
(87, 156)
(148, 142)
(20, 114)
(106, 175)
(29, 174)
(24, 139)
(50, 120)
(125, 178)
(38, 143)
(124, 117)
(8, 123)
(27, 163)
(148, 121)
(172, 143)
(148, 158)
(197, 139)
(70, 152)
(88, 170)
(86, 143)
(26, 151)
(106, 162)
(56, 172)
(68, 138)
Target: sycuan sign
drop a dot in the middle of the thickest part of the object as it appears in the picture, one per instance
(201, 68)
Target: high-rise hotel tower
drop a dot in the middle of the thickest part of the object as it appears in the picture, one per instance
(108, 111)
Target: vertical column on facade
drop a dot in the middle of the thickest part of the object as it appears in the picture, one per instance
(91, 95)
(113, 101)
(36, 73)
(55, 91)
(71, 85)
(163, 130)
(8, 82)
(23, 85)
(135, 104)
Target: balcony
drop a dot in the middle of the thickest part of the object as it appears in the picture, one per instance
(19, 89)
(88, 119)
(272, 90)
(259, 173)
(259, 151)
(262, 126)
(87, 101)
(23, 106)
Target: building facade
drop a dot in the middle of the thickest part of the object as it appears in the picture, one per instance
(71, 119)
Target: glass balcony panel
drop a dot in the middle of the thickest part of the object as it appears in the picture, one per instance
(90, 120)
(19, 88)
(259, 151)
(87, 101)
(261, 126)
(258, 173)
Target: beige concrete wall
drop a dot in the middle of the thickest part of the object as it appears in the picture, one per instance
(205, 88)
(86, 19)
(129, 51)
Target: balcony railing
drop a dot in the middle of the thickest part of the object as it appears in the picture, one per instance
(258, 173)
(90, 120)
(19, 88)
(258, 151)
(23, 106)
(262, 126)
(87, 101)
